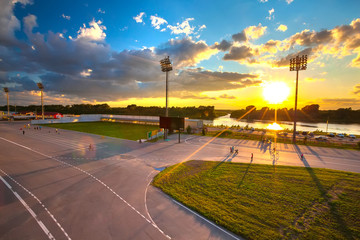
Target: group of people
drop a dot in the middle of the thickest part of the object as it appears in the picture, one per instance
(233, 150)
(236, 151)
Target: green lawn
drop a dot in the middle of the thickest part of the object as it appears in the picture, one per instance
(111, 129)
(268, 202)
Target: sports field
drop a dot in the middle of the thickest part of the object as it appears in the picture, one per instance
(268, 202)
(112, 129)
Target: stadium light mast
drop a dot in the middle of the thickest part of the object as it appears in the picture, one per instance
(166, 67)
(297, 64)
(6, 90)
(41, 87)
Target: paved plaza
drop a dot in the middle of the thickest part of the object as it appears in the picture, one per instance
(53, 186)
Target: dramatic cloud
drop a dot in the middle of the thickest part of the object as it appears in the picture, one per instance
(240, 37)
(8, 22)
(182, 28)
(156, 21)
(94, 33)
(239, 53)
(205, 80)
(186, 52)
(254, 32)
(223, 45)
(282, 28)
(139, 18)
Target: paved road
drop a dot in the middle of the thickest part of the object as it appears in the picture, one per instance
(52, 186)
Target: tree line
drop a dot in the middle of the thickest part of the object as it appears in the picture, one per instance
(201, 112)
(309, 113)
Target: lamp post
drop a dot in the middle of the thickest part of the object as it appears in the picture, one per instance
(6, 90)
(41, 87)
(297, 64)
(166, 67)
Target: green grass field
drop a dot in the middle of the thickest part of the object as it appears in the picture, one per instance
(268, 202)
(112, 129)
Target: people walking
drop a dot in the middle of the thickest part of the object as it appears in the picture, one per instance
(252, 156)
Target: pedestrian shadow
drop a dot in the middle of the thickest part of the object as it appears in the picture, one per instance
(314, 153)
(245, 174)
(228, 158)
(324, 194)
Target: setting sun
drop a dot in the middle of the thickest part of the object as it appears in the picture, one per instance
(276, 92)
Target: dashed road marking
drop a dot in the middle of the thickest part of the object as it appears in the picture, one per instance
(85, 172)
(40, 223)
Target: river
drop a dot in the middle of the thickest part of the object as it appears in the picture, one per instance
(300, 126)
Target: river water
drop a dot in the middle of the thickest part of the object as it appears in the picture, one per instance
(300, 126)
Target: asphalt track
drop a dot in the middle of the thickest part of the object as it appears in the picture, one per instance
(53, 187)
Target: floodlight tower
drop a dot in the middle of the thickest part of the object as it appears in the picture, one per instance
(297, 64)
(166, 67)
(41, 87)
(6, 90)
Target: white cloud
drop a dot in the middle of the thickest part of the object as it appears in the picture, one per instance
(282, 28)
(289, 1)
(156, 21)
(86, 73)
(254, 32)
(139, 18)
(94, 33)
(263, 1)
(101, 11)
(65, 17)
(202, 27)
(183, 27)
(271, 16)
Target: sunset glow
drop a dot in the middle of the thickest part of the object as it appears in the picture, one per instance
(276, 92)
(274, 126)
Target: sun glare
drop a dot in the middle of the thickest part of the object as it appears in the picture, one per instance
(274, 126)
(276, 92)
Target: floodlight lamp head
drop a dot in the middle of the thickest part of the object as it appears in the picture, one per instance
(6, 89)
(165, 64)
(40, 86)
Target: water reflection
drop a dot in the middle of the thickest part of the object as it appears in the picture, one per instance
(300, 126)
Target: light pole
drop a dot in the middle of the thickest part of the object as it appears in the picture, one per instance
(6, 90)
(296, 64)
(166, 67)
(41, 87)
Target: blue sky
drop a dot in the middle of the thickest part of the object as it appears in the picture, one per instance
(223, 52)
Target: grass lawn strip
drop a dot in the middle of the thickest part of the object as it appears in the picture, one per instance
(268, 202)
(119, 130)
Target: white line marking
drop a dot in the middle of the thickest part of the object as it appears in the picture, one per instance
(37, 199)
(81, 170)
(42, 226)
(206, 220)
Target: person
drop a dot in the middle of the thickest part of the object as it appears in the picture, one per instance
(56, 130)
(233, 148)
(302, 156)
(140, 140)
(252, 156)
(230, 149)
(23, 132)
(236, 151)
(90, 147)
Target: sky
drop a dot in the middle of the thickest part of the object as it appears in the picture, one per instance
(224, 53)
